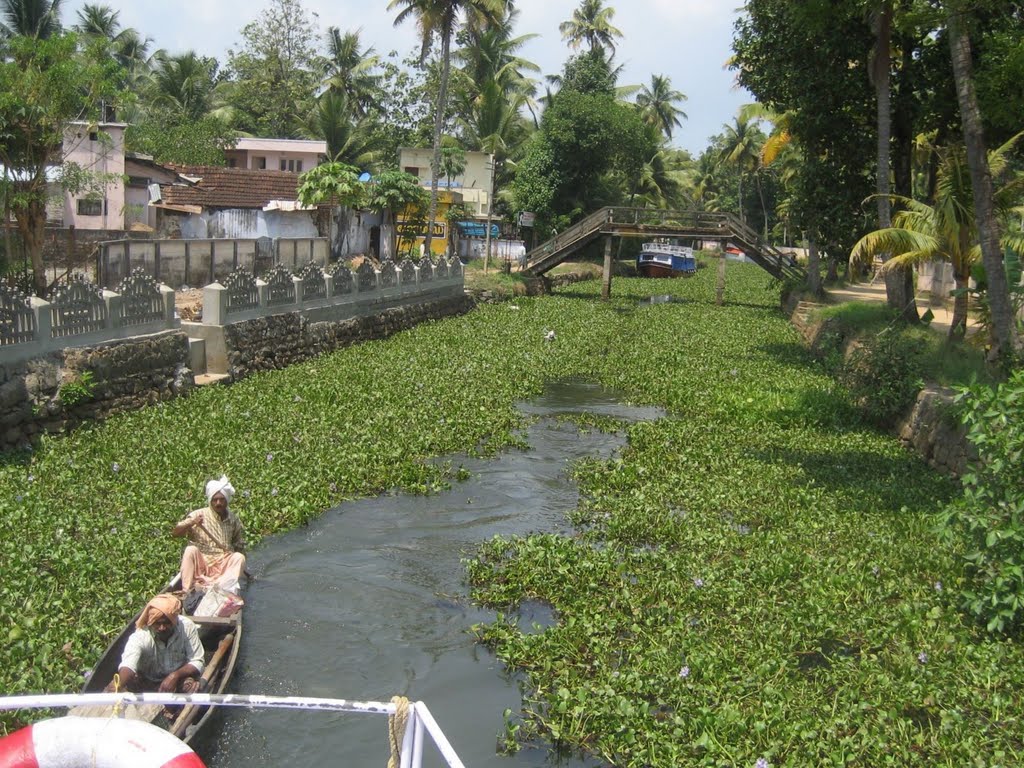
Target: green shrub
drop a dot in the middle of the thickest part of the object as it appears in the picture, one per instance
(990, 516)
(77, 390)
(883, 375)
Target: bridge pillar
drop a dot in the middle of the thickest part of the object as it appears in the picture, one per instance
(606, 284)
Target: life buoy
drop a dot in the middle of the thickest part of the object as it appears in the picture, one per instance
(78, 742)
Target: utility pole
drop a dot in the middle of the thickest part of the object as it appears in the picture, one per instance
(490, 208)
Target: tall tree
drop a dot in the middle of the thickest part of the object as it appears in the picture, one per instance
(30, 18)
(350, 70)
(46, 84)
(742, 150)
(946, 230)
(1005, 339)
(440, 19)
(591, 23)
(657, 104)
(276, 71)
(899, 288)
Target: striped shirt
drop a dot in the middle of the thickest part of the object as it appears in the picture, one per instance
(220, 538)
(146, 655)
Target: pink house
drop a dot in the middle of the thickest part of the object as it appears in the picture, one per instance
(295, 155)
(97, 148)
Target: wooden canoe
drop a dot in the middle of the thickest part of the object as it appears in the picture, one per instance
(221, 637)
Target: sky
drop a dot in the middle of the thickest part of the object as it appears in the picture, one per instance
(687, 40)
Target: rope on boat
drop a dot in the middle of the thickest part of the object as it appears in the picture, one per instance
(396, 729)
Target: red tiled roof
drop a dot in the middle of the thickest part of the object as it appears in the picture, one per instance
(231, 187)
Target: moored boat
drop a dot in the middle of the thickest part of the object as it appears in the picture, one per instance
(221, 637)
(665, 260)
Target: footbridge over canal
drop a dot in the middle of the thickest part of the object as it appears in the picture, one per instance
(648, 223)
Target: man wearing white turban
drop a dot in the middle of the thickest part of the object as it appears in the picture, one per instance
(216, 552)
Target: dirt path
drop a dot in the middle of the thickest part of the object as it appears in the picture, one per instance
(876, 292)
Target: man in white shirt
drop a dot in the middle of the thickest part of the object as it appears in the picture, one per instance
(164, 653)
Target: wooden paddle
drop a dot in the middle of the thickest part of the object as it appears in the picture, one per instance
(182, 721)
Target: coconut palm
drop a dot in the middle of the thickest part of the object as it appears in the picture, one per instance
(1005, 339)
(591, 23)
(349, 70)
(658, 104)
(98, 20)
(348, 141)
(742, 149)
(185, 84)
(30, 18)
(440, 19)
(947, 229)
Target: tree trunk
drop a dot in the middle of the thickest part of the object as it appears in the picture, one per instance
(435, 163)
(899, 292)
(958, 325)
(31, 225)
(813, 266)
(1003, 328)
(388, 236)
(743, 217)
(764, 208)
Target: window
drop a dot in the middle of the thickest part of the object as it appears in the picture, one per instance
(290, 165)
(232, 162)
(94, 136)
(298, 166)
(91, 207)
(260, 163)
(413, 170)
(284, 164)
(138, 181)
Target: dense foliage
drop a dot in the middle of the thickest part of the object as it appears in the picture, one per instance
(991, 513)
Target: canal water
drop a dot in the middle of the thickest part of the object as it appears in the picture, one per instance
(369, 601)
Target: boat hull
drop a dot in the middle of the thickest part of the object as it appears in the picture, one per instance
(221, 637)
(665, 261)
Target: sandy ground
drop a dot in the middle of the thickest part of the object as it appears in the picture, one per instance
(189, 304)
(867, 291)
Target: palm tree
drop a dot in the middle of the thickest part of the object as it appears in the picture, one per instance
(348, 141)
(30, 18)
(591, 23)
(98, 20)
(742, 149)
(1005, 340)
(947, 229)
(349, 70)
(658, 104)
(184, 83)
(440, 18)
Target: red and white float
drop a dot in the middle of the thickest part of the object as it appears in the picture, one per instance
(81, 742)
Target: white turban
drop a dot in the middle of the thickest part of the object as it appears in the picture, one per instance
(213, 487)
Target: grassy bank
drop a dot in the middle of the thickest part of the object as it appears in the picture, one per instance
(755, 577)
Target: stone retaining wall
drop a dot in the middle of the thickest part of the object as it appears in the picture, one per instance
(277, 341)
(125, 375)
(929, 428)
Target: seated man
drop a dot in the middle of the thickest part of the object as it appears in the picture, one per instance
(164, 653)
(215, 554)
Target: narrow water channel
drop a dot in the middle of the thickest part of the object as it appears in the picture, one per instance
(369, 601)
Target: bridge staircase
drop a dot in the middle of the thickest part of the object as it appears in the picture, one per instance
(723, 228)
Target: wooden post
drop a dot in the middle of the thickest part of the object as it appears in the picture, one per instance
(156, 259)
(606, 285)
(720, 288)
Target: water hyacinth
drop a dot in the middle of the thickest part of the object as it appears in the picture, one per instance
(115, 467)
(762, 762)
(270, 457)
(684, 672)
(775, 593)
(922, 657)
(698, 582)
